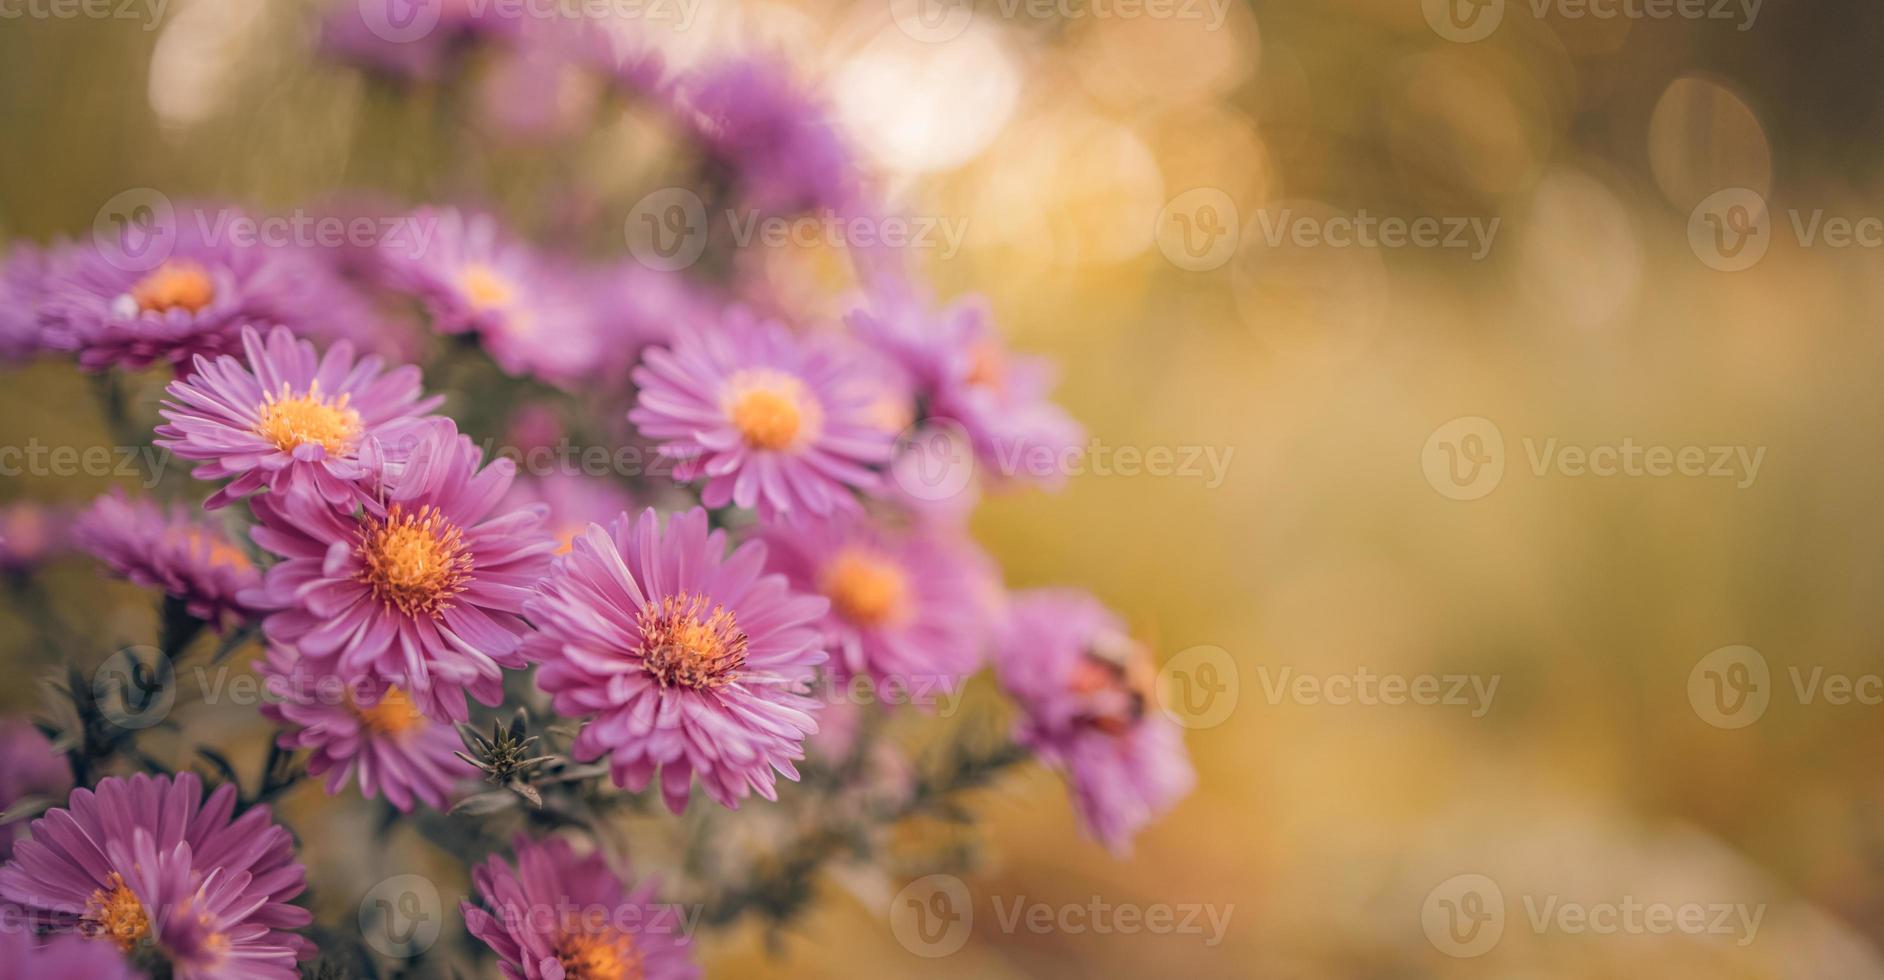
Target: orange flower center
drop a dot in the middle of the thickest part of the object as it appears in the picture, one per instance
(771, 409)
(683, 644)
(609, 955)
(485, 289)
(393, 715)
(220, 552)
(116, 915)
(1117, 676)
(987, 365)
(866, 588)
(414, 562)
(174, 285)
(289, 420)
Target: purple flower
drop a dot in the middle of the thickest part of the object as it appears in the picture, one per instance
(288, 417)
(31, 534)
(149, 864)
(905, 605)
(28, 767)
(389, 36)
(115, 312)
(189, 558)
(574, 501)
(421, 587)
(560, 916)
(772, 421)
(782, 146)
(535, 316)
(687, 660)
(26, 956)
(1085, 689)
(24, 273)
(963, 373)
(349, 728)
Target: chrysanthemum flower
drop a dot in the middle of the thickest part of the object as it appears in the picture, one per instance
(962, 372)
(31, 534)
(28, 767)
(784, 148)
(149, 864)
(420, 587)
(361, 728)
(1085, 688)
(562, 916)
(24, 274)
(771, 421)
(189, 558)
(904, 604)
(288, 417)
(194, 302)
(688, 661)
(27, 955)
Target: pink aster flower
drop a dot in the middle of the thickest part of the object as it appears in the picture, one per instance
(772, 421)
(904, 604)
(687, 660)
(562, 916)
(288, 417)
(189, 558)
(360, 728)
(28, 767)
(421, 587)
(114, 310)
(31, 534)
(23, 955)
(24, 273)
(963, 373)
(782, 145)
(1085, 688)
(149, 863)
(390, 36)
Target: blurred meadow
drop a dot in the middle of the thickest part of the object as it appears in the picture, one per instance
(1149, 193)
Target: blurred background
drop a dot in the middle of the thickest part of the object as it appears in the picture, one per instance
(1152, 194)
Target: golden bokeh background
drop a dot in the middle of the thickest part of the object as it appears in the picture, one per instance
(1071, 144)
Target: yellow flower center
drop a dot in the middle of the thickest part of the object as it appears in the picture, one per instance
(414, 562)
(485, 289)
(771, 409)
(289, 420)
(684, 644)
(866, 588)
(174, 285)
(609, 955)
(116, 915)
(393, 715)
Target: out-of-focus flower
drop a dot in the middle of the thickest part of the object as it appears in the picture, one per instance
(421, 588)
(67, 955)
(687, 660)
(535, 315)
(558, 915)
(1085, 689)
(574, 501)
(378, 733)
(31, 534)
(189, 558)
(962, 372)
(148, 864)
(195, 301)
(24, 273)
(28, 767)
(392, 37)
(289, 417)
(904, 606)
(784, 150)
(772, 421)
